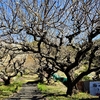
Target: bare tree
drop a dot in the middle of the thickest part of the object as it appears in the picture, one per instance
(11, 63)
(61, 32)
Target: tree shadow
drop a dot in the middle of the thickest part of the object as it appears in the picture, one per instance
(38, 98)
(91, 99)
(33, 82)
(53, 94)
(45, 95)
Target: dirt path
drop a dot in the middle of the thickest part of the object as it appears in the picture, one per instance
(29, 91)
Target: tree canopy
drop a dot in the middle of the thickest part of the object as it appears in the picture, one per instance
(63, 33)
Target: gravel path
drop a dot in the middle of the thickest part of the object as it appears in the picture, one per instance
(29, 91)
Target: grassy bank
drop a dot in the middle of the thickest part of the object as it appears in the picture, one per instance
(15, 86)
(6, 91)
(57, 92)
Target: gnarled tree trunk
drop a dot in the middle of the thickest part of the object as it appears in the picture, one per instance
(6, 81)
(69, 88)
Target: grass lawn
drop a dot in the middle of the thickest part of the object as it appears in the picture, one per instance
(15, 86)
(57, 92)
(5, 91)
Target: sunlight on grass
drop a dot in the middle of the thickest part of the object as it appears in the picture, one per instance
(82, 95)
(5, 91)
(52, 88)
(56, 92)
(15, 86)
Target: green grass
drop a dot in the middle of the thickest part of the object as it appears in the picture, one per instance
(16, 83)
(57, 92)
(55, 88)
(79, 96)
(42, 87)
(6, 91)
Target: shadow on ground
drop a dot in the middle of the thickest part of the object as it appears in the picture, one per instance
(53, 94)
(29, 91)
(46, 95)
(33, 82)
(90, 99)
(71, 98)
(37, 98)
